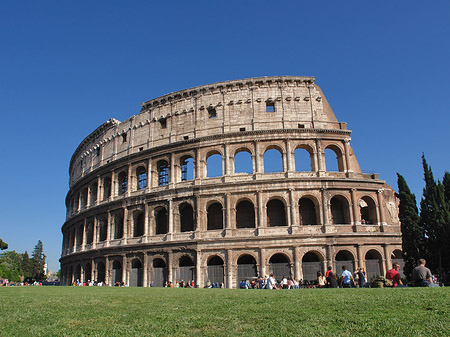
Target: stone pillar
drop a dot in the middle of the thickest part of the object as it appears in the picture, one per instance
(229, 268)
(107, 271)
(381, 218)
(386, 259)
(149, 176)
(109, 228)
(325, 207)
(330, 258)
(261, 223)
(99, 190)
(84, 234)
(172, 170)
(298, 264)
(145, 270)
(355, 209)
(88, 196)
(320, 157)
(262, 262)
(226, 159)
(229, 224)
(170, 271)
(360, 261)
(170, 217)
(146, 222)
(94, 234)
(129, 180)
(258, 158)
(290, 165)
(124, 269)
(125, 225)
(198, 273)
(347, 154)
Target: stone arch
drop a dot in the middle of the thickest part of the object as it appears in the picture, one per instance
(334, 160)
(102, 228)
(276, 213)
(122, 180)
(159, 273)
(90, 232)
(368, 210)
(344, 258)
(163, 172)
(303, 155)
(106, 187)
(214, 216)
(101, 272)
(116, 277)
(93, 191)
(138, 224)
(214, 163)
(118, 225)
(87, 272)
(77, 273)
(273, 159)
(340, 210)
(141, 177)
(280, 265)
(136, 273)
(215, 269)
(186, 269)
(312, 262)
(246, 268)
(161, 220)
(187, 167)
(308, 210)
(245, 214)
(374, 262)
(186, 217)
(243, 162)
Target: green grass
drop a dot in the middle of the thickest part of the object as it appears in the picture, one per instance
(102, 311)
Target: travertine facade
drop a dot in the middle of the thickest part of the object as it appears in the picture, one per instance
(144, 206)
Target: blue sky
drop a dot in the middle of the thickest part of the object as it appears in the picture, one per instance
(68, 66)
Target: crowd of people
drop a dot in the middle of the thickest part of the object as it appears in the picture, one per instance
(89, 283)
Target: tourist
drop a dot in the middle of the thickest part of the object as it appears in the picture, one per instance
(422, 276)
(321, 280)
(328, 271)
(393, 274)
(332, 280)
(361, 274)
(347, 278)
(271, 282)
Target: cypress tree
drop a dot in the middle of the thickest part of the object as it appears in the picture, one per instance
(413, 236)
(3, 245)
(446, 183)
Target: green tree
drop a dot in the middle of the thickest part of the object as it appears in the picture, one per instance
(11, 266)
(413, 242)
(446, 184)
(3, 245)
(38, 261)
(435, 219)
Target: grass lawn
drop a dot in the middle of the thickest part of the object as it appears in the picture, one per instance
(103, 311)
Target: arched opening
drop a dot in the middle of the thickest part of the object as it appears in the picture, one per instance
(246, 265)
(83, 197)
(307, 210)
(215, 269)
(138, 228)
(118, 226)
(344, 258)
(70, 277)
(311, 264)
(368, 211)
(187, 168)
(101, 272)
(93, 194)
(80, 235)
(215, 216)
(186, 269)
(397, 256)
(90, 233)
(161, 221)
(333, 159)
(103, 229)
(186, 217)
(87, 272)
(280, 266)
(373, 264)
(339, 210)
(77, 273)
(245, 215)
(123, 182)
(136, 274)
(141, 174)
(159, 273)
(106, 188)
(214, 165)
(116, 276)
(273, 161)
(276, 215)
(163, 173)
(243, 162)
(302, 160)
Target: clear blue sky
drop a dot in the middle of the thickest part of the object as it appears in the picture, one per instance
(68, 66)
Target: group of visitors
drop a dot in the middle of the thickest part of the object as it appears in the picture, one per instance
(89, 283)
(210, 284)
(180, 284)
(269, 282)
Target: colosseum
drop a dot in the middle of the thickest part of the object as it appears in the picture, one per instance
(225, 182)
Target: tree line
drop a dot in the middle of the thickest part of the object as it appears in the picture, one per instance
(19, 267)
(426, 233)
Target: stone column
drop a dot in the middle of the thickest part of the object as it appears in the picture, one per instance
(109, 228)
(324, 207)
(361, 262)
(84, 234)
(125, 225)
(107, 271)
(227, 171)
(381, 218)
(229, 268)
(261, 223)
(129, 180)
(386, 259)
(99, 190)
(172, 170)
(198, 273)
(145, 270)
(298, 263)
(320, 157)
(290, 164)
(94, 234)
(347, 154)
(146, 222)
(355, 208)
(170, 271)
(258, 158)
(229, 223)
(170, 217)
(262, 262)
(149, 176)
(124, 269)
(88, 196)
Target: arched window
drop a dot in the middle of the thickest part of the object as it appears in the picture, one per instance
(273, 161)
(136, 274)
(80, 235)
(187, 168)
(118, 226)
(186, 269)
(215, 269)
(163, 173)
(101, 272)
(368, 211)
(373, 264)
(161, 221)
(215, 216)
(243, 162)
(302, 160)
(279, 265)
(307, 210)
(339, 211)
(103, 229)
(90, 233)
(186, 218)
(141, 174)
(159, 273)
(106, 188)
(245, 215)
(93, 194)
(214, 165)
(246, 265)
(344, 258)
(276, 215)
(83, 196)
(116, 276)
(333, 159)
(87, 272)
(123, 182)
(138, 229)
